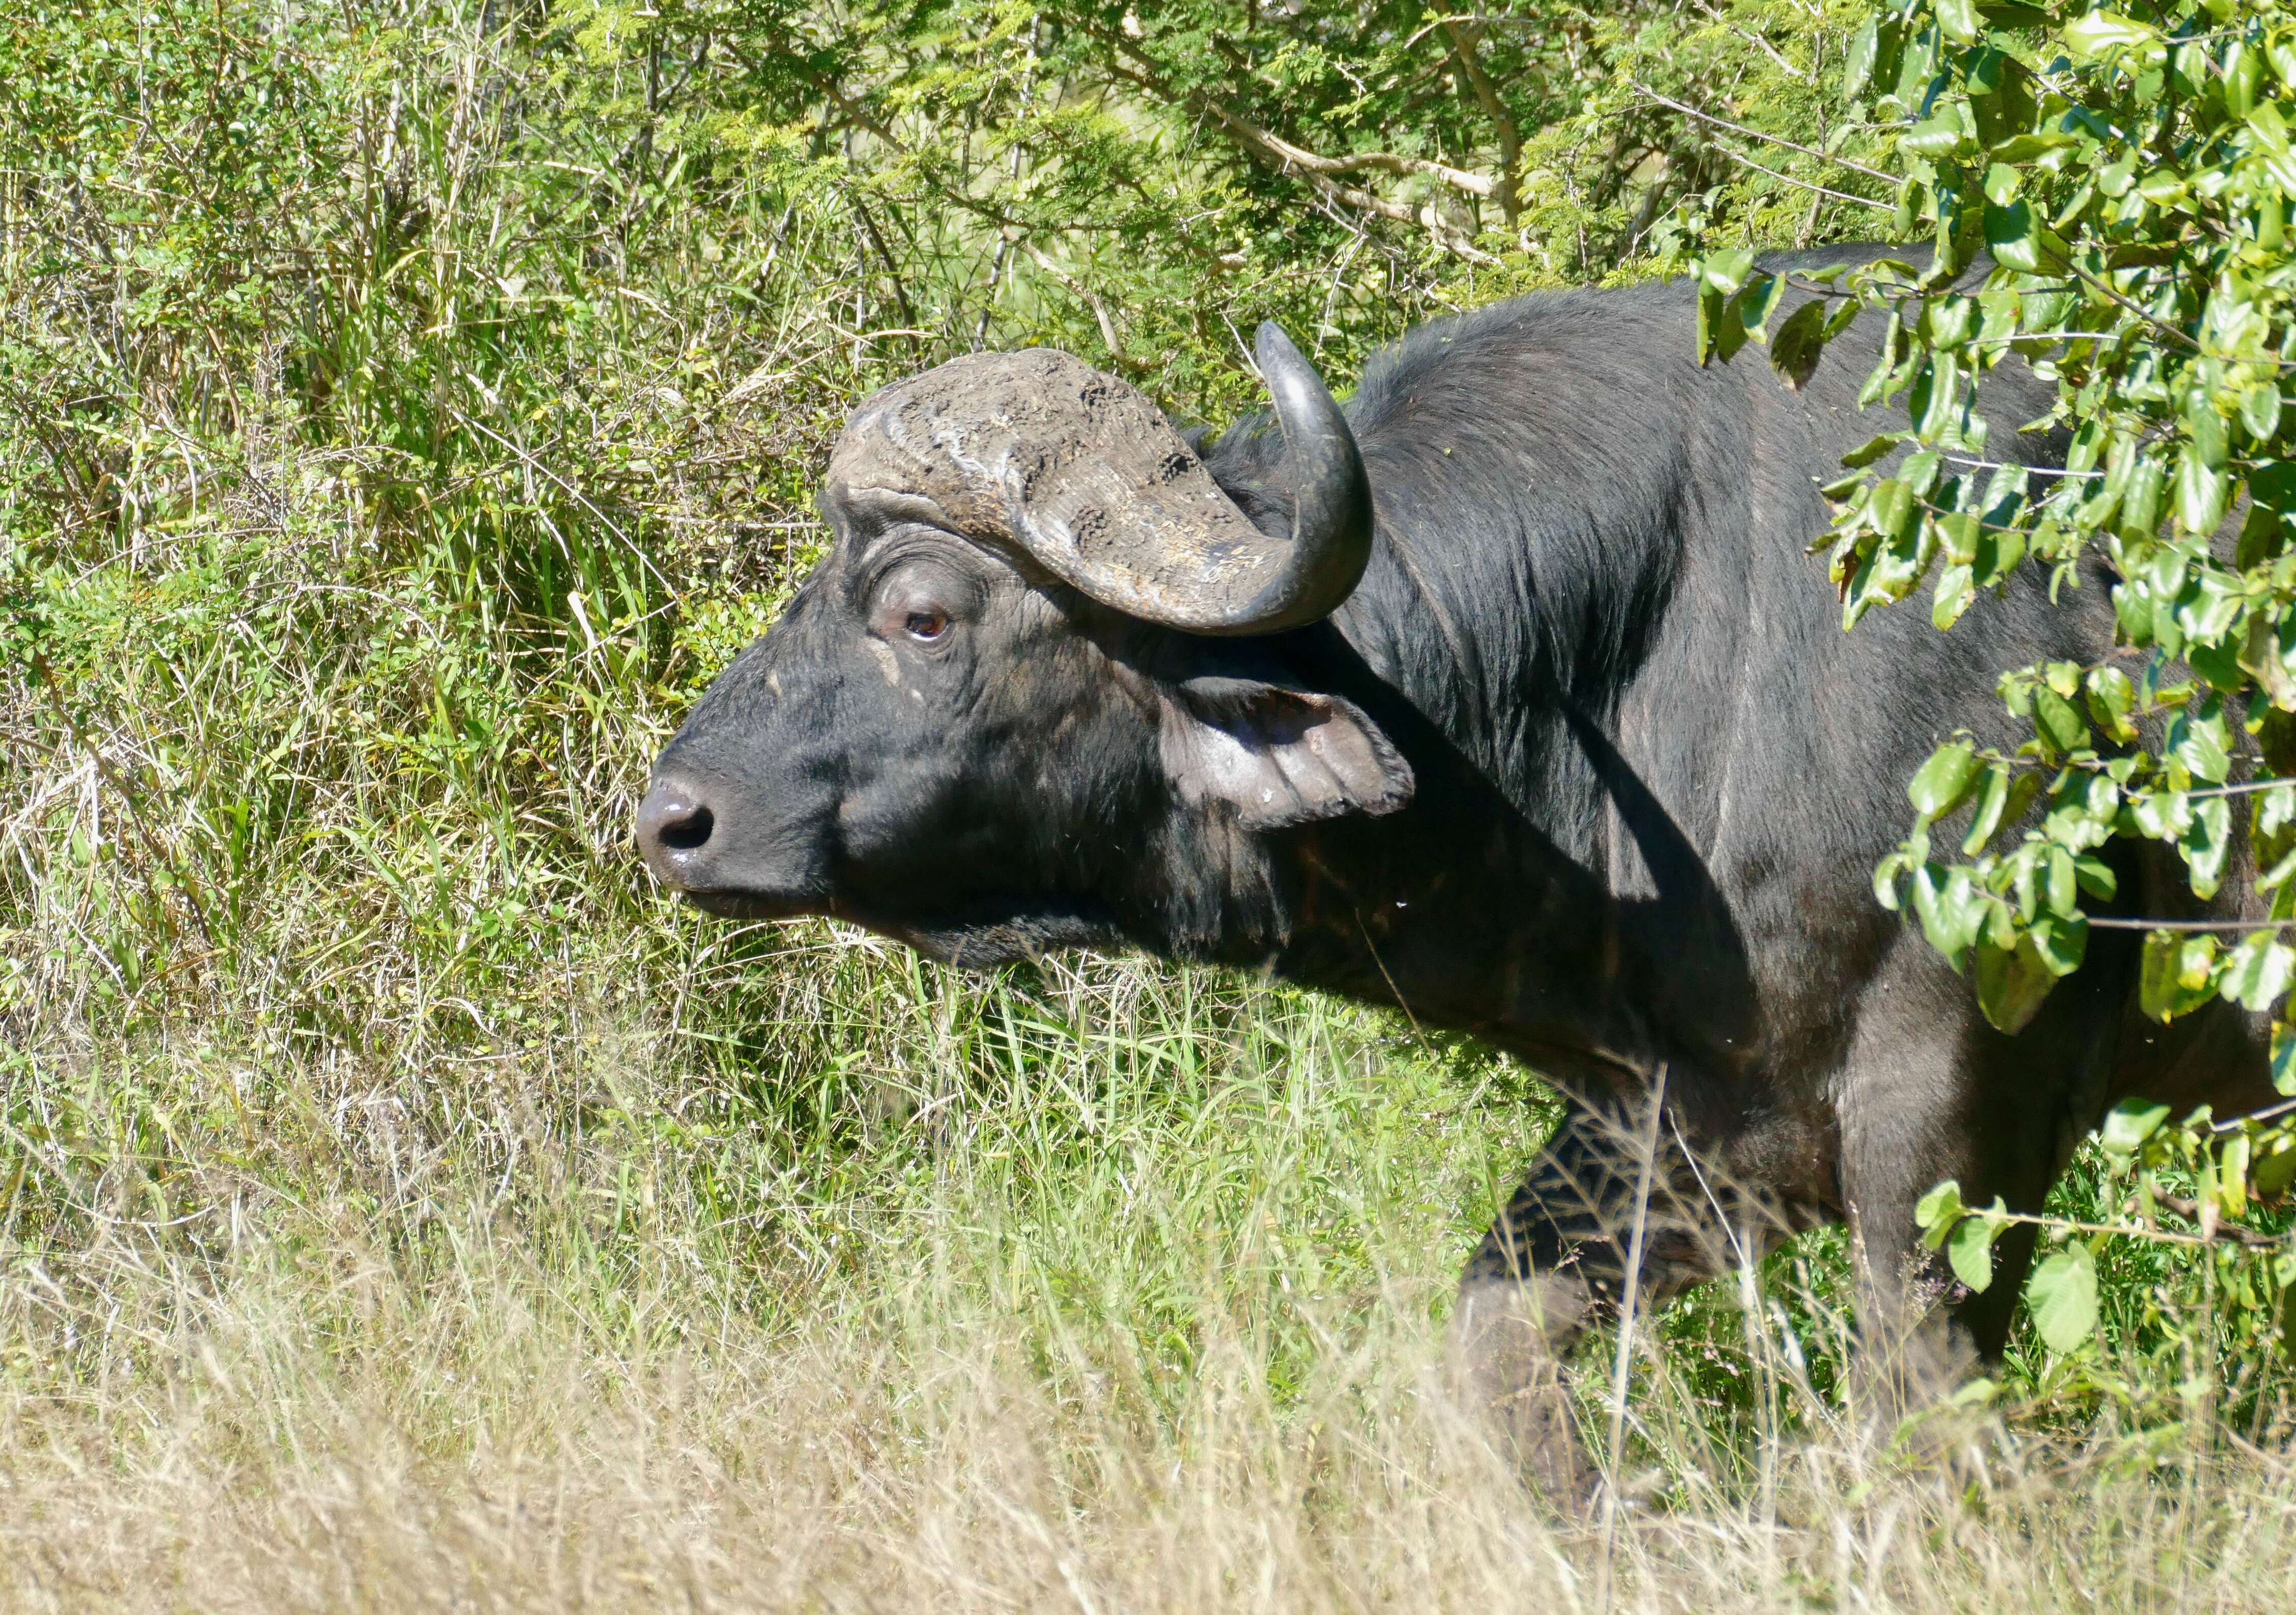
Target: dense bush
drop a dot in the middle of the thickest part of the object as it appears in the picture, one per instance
(405, 409)
(2105, 198)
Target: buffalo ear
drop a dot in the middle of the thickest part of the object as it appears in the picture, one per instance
(1279, 756)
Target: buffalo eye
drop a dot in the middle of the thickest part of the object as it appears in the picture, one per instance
(922, 599)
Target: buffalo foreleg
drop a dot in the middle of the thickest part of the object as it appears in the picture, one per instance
(1554, 1265)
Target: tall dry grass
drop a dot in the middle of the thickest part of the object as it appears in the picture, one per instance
(1184, 1354)
(403, 410)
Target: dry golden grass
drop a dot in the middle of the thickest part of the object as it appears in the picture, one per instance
(400, 1210)
(391, 1374)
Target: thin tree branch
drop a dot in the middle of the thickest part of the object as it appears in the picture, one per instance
(1322, 172)
(2114, 922)
(1271, 146)
(1753, 38)
(1739, 128)
(1100, 314)
(2142, 312)
(1863, 201)
(2166, 1236)
(1508, 190)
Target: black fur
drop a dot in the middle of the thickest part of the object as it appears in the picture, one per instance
(1654, 776)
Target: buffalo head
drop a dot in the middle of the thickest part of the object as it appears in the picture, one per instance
(1029, 700)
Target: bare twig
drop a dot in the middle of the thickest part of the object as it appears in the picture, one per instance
(2166, 1236)
(1322, 172)
(1754, 38)
(1471, 63)
(1973, 464)
(1863, 201)
(1739, 128)
(2142, 312)
(1623, 1358)
(2114, 922)
(1100, 317)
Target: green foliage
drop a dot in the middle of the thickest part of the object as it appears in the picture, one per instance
(402, 415)
(2203, 1204)
(405, 411)
(2104, 197)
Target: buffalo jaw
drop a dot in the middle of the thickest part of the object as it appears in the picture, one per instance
(979, 935)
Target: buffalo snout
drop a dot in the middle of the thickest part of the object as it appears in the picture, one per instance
(673, 826)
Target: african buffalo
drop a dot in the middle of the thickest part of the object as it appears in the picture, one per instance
(1507, 692)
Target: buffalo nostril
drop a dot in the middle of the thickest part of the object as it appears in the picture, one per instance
(671, 823)
(683, 834)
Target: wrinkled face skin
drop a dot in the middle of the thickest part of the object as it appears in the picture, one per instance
(971, 758)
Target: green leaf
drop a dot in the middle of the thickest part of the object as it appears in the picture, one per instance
(2058, 719)
(1951, 907)
(2205, 844)
(1711, 309)
(1799, 343)
(1890, 506)
(1970, 1246)
(2260, 412)
(2012, 984)
(1857, 62)
(2086, 807)
(2202, 492)
(1727, 330)
(1726, 271)
(2178, 975)
(2269, 129)
(2100, 31)
(2013, 236)
(1936, 1212)
(1957, 20)
(2256, 974)
(2243, 76)
(1992, 799)
(1943, 782)
(2063, 1295)
(2274, 1175)
(2032, 148)
(2111, 698)
(2163, 187)
(2161, 815)
(2283, 1059)
(2232, 1176)
(1873, 449)
(2218, 663)
(2275, 809)
(1757, 302)
(2128, 1124)
(2063, 891)
(2207, 426)
(1886, 875)
(1958, 536)
(2140, 502)
(1936, 395)
(1955, 594)
(1932, 137)
(2199, 741)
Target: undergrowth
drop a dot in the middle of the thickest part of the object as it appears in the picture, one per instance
(404, 412)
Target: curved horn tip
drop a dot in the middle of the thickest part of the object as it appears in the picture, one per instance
(1331, 501)
(1271, 346)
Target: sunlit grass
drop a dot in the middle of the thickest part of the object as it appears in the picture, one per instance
(1143, 1313)
(403, 1206)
